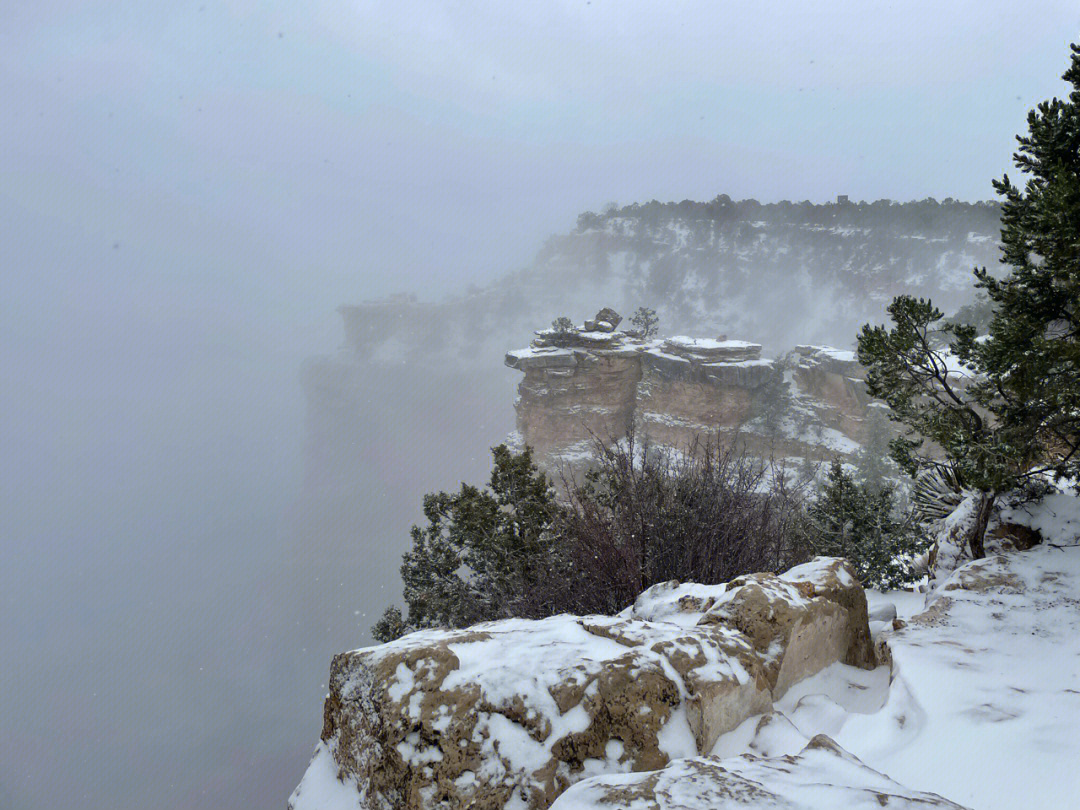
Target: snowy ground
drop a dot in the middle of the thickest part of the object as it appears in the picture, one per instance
(821, 777)
(983, 707)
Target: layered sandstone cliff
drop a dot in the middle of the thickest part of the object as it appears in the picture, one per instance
(584, 384)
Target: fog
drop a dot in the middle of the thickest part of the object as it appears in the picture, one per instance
(188, 192)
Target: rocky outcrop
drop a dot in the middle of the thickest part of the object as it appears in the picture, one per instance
(511, 713)
(586, 384)
(832, 382)
(977, 700)
(822, 775)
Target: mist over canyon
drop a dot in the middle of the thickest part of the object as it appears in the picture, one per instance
(208, 471)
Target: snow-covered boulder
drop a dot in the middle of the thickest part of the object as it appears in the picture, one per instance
(822, 775)
(798, 623)
(509, 714)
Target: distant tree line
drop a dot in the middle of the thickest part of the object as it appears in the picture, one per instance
(928, 216)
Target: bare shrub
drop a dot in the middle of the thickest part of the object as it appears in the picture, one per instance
(644, 515)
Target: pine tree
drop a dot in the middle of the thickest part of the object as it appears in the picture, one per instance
(645, 322)
(931, 397)
(1019, 417)
(563, 325)
(851, 520)
(1031, 359)
(484, 553)
(562, 331)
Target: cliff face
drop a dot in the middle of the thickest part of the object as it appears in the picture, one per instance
(418, 390)
(588, 384)
(566, 394)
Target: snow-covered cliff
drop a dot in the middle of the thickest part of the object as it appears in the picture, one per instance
(586, 385)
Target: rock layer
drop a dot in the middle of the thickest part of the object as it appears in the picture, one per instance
(582, 385)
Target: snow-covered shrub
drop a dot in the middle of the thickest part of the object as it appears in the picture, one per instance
(859, 522)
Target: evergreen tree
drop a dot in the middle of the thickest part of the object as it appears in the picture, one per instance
(1031, 359)
(562, 331)
(930, 395)
(978, 313)
(484, 554)
(1019, 417)
(645, 322)
(562, 325)
(851, 520)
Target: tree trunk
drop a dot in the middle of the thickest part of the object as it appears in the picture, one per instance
(982, 518)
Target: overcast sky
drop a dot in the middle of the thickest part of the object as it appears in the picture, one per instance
(373, 146)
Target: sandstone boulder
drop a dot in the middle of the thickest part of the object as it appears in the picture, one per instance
(604, 321)
(823, 775)
(511, 713)
(798, 622)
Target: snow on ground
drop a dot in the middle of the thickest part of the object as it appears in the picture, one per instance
(821, 776)
(538, 351)
(323, 787)
(984, 701)
(981, 704)
(797, 427)
(830, 352)
(709, 344)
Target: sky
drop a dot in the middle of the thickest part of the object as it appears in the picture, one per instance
(189, 189)
(401, 145)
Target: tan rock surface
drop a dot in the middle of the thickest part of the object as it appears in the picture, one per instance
(510, 713)
(677, 390)
(823, 775)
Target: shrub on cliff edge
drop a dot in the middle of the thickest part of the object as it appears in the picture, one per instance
(645, 515)
(485, 553)
(859, 521)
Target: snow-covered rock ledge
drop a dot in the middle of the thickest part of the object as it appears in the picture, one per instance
(822, 776)
(509, 714)
(703, 697)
